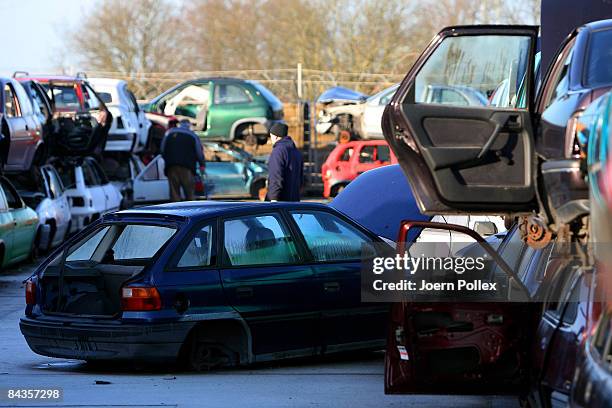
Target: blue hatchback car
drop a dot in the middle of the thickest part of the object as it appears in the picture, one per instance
(210, 283)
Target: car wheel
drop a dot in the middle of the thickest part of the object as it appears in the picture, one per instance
(337, 189)
(207, 356)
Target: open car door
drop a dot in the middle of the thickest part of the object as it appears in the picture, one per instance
(462, 157)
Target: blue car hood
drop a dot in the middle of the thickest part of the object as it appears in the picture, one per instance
(379, 200)
(339, 93)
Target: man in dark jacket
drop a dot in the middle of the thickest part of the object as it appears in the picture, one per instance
(285, 166)
(181, 150)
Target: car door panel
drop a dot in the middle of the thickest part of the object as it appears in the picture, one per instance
(461, 347)
(264, 280)
(151, 185)
(466, 158)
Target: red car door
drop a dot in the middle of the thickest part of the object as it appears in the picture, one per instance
(461, 347)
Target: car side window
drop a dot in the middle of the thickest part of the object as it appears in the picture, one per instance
(228, 93)
(55, 185)
(329, 238)
(383, 154)
(90, 99)
(258, 240)
(151, 172)
(466, 70)
(560, 77)
(100, 175)
(200, 251)
(346, 154)
(12, 197)
(25, 105)
(91, 179)
(367, 154)
(11, 105)
(37, 96)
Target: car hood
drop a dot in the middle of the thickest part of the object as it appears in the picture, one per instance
(339, 94)
(379, 200)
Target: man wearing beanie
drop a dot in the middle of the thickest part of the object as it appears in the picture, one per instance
(285, 166)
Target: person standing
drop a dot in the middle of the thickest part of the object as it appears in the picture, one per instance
(182, 150)
(285, 166)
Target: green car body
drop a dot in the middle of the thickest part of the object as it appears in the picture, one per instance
(221, 109)
(18, 225)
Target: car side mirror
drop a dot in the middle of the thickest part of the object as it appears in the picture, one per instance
(485, 228)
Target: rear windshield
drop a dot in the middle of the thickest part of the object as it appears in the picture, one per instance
(267, 94)
(64, 96)
(599, 62)
(121, 244)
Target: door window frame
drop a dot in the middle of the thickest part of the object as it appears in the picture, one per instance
(172, 265)
(17, 108)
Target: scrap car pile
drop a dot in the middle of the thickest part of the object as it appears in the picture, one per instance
(74, 149)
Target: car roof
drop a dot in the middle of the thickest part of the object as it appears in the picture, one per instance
(204, 209)
(49, 78)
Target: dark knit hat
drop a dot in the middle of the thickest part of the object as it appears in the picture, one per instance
(279, 129)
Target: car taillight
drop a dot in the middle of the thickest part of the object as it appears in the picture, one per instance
(30, 294)
(140, 298)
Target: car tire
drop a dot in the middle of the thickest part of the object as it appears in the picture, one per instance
(208, 356)
(337, 189)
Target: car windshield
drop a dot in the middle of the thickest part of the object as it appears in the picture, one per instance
(266, 93)
(121, 243)
(599, 62)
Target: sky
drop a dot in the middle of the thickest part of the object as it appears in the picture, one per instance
(32, 33)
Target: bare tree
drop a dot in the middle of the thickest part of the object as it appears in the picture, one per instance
(130, 37)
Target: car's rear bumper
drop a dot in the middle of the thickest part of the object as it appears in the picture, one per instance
(105, 340)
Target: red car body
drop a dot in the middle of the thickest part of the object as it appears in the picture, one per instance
(348, 160)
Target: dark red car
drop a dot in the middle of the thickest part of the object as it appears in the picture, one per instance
(518, 157)
(81, 118)
(348, 160)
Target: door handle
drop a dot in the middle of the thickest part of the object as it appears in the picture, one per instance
(331, 287)
(244, 291)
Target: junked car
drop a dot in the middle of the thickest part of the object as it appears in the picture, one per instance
(89, 191)
(19, 227)
(348, 160)
(221, 109)
(482, 160)
(593, 376)
(21, 127)
(121, 169)
(130, 128)
(229, 173)
(42, 190)
(208, 283)
(360, 117)
(82, 119)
